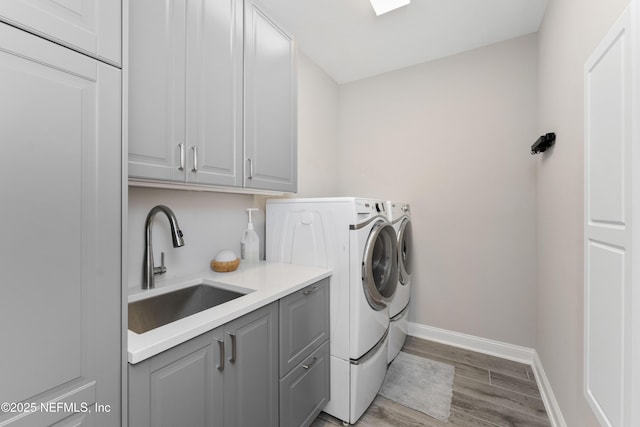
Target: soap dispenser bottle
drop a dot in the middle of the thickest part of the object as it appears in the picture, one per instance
(250, 243)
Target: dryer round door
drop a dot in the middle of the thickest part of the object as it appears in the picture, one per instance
(380, 265)
(405, 249)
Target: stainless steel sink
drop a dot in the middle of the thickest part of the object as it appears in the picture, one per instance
(151, 313)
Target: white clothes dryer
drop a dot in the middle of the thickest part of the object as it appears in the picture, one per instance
(355, 239)
(400, 217)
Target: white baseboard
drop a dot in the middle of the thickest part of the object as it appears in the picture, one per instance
(499, 349)
(481, 345)
(549, 399)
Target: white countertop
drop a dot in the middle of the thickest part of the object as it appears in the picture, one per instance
(266, 282)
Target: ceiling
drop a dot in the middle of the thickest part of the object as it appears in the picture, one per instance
(349, 42)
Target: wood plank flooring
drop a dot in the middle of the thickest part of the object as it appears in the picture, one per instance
(487, 392)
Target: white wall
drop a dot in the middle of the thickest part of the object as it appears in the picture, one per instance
(452, 137)
(570, 31)
(215, 221)
(317, 131)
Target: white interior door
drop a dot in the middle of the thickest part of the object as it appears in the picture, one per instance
(608, 226)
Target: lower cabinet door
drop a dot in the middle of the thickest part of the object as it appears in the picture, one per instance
(251, 370)
(305, 390)
(180, 387)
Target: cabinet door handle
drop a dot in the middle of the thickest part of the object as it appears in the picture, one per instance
(309, 365)
(232, 359)
(182, 154)
(195, 158)
(250, 169)
(220, 366)
(310, 291)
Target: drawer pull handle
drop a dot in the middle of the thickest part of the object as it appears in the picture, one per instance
(232, 359)
(220, 366)
(310, 291)
(309, 365)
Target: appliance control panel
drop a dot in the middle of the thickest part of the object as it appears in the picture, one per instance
(375, 207)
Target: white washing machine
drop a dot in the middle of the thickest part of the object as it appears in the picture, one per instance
(400, 217)
(355, 239)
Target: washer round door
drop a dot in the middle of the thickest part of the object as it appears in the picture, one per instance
(380, 265)
(405, 249)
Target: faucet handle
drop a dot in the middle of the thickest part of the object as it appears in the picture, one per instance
(162, 269)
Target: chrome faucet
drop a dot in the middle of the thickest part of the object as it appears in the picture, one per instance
(148, 269)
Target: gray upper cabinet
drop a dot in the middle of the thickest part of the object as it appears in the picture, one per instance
(61, 182)
(89, 26)
(270, 141)
(185, 85)
(156, 81)
(189, 122)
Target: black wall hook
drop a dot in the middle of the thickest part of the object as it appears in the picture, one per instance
(544, 142)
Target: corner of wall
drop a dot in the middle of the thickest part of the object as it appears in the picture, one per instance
(548, 397)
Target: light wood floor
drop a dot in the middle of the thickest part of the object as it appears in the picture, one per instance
(487, 392)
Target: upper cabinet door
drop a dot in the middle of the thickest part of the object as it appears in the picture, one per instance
(270, 103)
(61, 182)
(156, 96)
(89, 26)
(214, 92)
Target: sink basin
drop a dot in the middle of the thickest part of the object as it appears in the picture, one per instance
(151, 313)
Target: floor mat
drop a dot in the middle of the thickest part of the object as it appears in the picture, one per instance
(421, 384)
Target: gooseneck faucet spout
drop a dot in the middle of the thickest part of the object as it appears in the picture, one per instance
(149, 270)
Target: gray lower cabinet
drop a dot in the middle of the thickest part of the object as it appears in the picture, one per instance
(305, 390)
(228, 376)
(267, 368)
(180, 387)
(251, 369)
(304, 354)
(304, 324)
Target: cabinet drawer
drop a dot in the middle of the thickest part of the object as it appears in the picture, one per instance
(304, 324)
(305, 390)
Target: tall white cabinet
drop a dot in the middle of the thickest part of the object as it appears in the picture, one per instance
(89, 26)
(211, 98)
(60, 251)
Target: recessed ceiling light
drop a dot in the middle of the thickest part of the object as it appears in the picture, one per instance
(384, 6)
